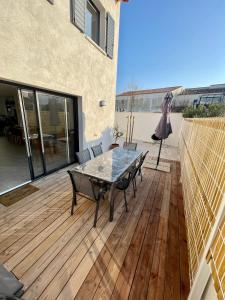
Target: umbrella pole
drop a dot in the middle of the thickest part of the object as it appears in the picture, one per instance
(160, 147)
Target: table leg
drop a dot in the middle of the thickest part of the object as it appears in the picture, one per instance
(111, 203)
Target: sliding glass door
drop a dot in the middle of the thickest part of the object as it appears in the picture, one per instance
(37, 134)
(14, 163)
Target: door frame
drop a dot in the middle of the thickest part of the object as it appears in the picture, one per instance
(76, 111)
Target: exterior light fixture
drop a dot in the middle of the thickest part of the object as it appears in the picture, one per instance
(102, 103)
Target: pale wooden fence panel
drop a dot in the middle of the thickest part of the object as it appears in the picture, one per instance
(202, 146)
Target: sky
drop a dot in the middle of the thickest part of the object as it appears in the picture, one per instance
(171, 42)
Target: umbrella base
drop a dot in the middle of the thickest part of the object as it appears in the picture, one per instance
(162, 166)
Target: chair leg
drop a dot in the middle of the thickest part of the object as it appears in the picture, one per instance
(141, 174)
(133, 188)
(74, 201)
(96, 212)
(125, 198)
(135, 184)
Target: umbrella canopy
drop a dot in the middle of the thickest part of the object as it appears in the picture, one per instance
(164, 129)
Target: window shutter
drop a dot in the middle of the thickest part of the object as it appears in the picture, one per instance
(110, 36)
(78, 13)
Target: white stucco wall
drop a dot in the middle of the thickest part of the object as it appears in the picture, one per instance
(145, 124)
(39, 46)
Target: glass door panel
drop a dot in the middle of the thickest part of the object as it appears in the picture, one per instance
(14, 166)
(33, 131)
(54, 130)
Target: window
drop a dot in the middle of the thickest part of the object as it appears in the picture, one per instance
(92, 22)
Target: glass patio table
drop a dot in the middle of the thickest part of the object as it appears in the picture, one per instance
(109, 167)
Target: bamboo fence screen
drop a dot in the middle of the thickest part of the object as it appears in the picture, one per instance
(202, 146)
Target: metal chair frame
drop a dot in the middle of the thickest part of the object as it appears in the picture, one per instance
(91, 187)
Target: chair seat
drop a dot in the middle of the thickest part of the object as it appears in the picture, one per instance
(123, 183)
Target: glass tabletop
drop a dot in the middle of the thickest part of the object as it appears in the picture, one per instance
(110, 165)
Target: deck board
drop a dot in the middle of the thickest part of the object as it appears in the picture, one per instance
(142, 254)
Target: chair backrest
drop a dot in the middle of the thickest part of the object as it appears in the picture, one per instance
(97, 150)
(81, 184)
(142, 159)
(83, 156)
(133, 173)
(130, 146)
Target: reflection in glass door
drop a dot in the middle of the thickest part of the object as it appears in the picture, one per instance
(14, 166)
(56, 130)
(33, 132)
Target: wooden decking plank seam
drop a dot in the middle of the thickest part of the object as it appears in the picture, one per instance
(23, 236)
(10, 240)
(91, 237)
(172, 285)
(184, 276)
(136, 289)
(40, 198)
(130, 235)
(164, 218)
(49, 242)
(156, 195)
(102, 212)
(24, 240)
(12, 262)
(24, 219)
(160, 240)
(97, 271)
(28, 280)
(15, 208)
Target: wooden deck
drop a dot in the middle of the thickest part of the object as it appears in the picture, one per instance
(142, 254)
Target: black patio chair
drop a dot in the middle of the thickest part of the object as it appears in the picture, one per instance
(91, 188)
(83, 156)
(124, 183)
(97, 150)
(137, 169)
(141, 163)
(130, 146)
(99, 188)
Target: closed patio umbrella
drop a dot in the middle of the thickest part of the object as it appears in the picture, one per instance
(164, 129)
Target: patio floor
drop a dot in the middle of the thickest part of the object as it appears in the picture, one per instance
(142, 254)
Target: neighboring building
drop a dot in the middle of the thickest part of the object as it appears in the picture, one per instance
(151, 100)
(58, 62)
(202, 95)
(144, 100)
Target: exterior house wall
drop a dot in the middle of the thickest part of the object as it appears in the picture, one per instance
(145, 125)
(40, 47)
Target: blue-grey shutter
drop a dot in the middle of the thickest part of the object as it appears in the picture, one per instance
(110, 36)
(78, 13)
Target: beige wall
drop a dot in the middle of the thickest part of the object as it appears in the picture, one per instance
(145, 124)
(39, 46)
